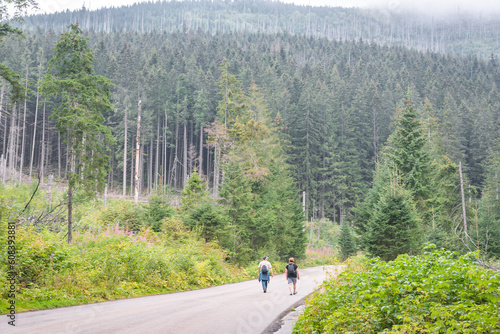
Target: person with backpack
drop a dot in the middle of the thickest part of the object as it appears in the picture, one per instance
(265, 269)
(292, 275)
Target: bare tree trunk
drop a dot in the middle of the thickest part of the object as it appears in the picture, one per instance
(164, 174)
(59, 154)
(5, 122)
(12, 142)
(132, 172)
(157, 157)
(105, 195)
(50, 191)
(3, 162)
(201, 151)
(463, 203)
(184, 158)
(137, 151)
(70, 214)
(42, 158)
(176, 156)
(34, 133)
(216, 171)
(24, 131)
(125, 155)
(150, 164)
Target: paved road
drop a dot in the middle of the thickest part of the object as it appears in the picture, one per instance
(238, 308)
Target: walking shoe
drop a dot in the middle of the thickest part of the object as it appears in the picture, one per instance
(290, 293)
(295, 292)
(264, 291)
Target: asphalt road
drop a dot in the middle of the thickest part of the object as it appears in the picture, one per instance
(240, 308)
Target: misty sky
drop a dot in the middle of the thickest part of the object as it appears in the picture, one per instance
(437, 6)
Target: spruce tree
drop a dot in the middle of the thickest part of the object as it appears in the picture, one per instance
(394, 228)
(406, 151)
(346, 241)
(6, 12)
(81, 98)
(489, 208)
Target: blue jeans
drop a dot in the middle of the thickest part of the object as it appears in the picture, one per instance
(264, 285)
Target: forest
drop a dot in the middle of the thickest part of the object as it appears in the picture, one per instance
(262, 126)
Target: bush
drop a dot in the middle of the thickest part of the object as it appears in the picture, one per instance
(437, 292)
(111, 263)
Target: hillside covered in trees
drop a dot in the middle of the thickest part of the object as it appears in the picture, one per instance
(226, 130)
(329, 101)
(460, 32)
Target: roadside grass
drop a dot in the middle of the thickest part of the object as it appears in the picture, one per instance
(109, 263)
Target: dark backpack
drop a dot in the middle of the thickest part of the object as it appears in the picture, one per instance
(291, 270)
(264, 269)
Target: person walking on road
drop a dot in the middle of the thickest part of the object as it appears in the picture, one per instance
(292, 275)
(265, 269)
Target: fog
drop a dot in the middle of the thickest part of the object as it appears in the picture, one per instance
(436, 7)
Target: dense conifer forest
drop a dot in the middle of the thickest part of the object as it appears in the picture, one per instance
(167, 146)
(327, 83)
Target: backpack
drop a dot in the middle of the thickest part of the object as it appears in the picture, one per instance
(291, 270)
(264, 269)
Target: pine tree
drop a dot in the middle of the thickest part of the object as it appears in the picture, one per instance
(81, 99)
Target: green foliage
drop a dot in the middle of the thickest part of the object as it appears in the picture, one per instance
(489, 208)
(211, 222)
(346, 241)
(82, 98)
(18, 92)
(193, 193)
(152, 214)
(436, 292)
(110, 263)
(406, 152)
(394, 228)
(121, 212)
(320, 257)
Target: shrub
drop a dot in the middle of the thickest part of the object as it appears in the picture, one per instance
(111, 263)
(437, 292)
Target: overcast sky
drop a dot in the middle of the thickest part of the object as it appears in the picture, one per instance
(438, 6)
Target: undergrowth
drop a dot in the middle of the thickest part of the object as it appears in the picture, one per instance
(436, 292)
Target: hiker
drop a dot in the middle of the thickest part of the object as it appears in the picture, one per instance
(292, 275)
(265, 269)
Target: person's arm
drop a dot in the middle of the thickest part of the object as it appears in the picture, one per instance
(286, 273)
(298, 277)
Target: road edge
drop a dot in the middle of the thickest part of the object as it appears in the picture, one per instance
(275, 325)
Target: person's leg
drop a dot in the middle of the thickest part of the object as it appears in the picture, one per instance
(294, 288)
(264, 285)
(290, 287)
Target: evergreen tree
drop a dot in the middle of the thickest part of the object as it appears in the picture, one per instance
(489, 208)
(406, 152)
(193, 193)
(20, 9)
(346, 241)
(81, 98)
(394, 228)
